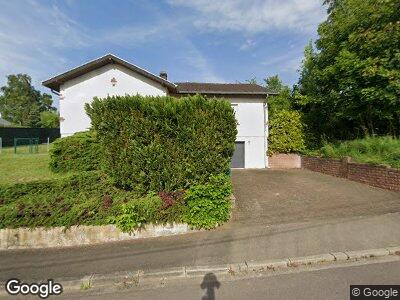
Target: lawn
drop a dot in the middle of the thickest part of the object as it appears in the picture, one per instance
(372, 150)
(25, 167)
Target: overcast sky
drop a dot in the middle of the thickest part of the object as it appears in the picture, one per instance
(193, 40)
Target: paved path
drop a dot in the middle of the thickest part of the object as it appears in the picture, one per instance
(332, 283)
(336, 216)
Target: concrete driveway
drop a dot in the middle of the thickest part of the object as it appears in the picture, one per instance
(286, 196)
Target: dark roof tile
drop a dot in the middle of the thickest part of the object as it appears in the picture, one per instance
(221, 88)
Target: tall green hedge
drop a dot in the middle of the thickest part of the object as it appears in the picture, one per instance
(163, 143)
(79, 152)
(286, 132)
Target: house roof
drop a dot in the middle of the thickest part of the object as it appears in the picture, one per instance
(221, 88)
(55, 82)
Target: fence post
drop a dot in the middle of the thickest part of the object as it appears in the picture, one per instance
(1, 145)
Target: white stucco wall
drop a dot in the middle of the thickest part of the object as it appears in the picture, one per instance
(76, 92)
(251, 115)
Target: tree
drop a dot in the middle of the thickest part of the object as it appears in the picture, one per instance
(282, 101)
(350, 86)
(21, 103)
(49, 119)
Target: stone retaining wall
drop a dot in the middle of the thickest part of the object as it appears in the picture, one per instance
(20, 238)
(379, 176)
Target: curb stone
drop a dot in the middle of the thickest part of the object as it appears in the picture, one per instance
(394, 250)
(367, 253)
(340, 256)
(310, 260)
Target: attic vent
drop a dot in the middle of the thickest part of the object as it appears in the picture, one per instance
(113, 81)
(164, 75)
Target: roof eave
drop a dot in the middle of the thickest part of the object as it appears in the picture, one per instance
(225, 93)
(55, 82)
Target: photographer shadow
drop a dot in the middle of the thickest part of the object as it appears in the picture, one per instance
(209, 284)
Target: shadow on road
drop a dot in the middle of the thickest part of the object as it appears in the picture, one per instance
(210, 282)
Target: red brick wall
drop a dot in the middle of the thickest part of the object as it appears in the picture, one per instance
(284, 161)
(383, 177)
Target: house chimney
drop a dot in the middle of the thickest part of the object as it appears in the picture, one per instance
(163, 75)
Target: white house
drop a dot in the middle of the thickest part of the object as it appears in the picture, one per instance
(110, 75)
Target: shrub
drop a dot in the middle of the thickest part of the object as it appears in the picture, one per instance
(209, 204)
(86, 198)
(90, 198)
(163, 143)
(137, 213)
(373, 150)
(79, 152)
(285, 132)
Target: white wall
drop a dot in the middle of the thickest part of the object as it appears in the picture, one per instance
(76, 92)
(251, 115)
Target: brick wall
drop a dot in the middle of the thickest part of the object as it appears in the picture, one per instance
(284, 161)
(379, 176)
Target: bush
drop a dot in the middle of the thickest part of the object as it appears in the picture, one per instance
(86, 198)
(137, 213)
(373, 150)
(163, 143)
(209, 204)
(79, 152)
(90, 198)
(285, 132)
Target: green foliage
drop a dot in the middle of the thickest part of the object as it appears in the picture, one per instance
(353, 82)
(137, 213)
(90, 198)
(285, 132)
(163, 143)
(21, 103)
(283, 99)
(77, 199)
(49, 119)
(209, 204)
(373, 150)
(79, 152)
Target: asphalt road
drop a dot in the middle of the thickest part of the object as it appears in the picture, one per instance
(331, 283)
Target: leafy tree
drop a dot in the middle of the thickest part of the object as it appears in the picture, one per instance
(350, 86)
(282, 101)
(49, 119)
(21, 103)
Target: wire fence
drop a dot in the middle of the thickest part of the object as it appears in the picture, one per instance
(26, 146)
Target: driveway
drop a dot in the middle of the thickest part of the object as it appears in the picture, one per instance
(285, 196)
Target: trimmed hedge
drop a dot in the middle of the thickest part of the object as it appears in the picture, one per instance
(286, 133)
(79, 152)
(163, 143)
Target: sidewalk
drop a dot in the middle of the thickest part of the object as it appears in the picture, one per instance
(231, 243)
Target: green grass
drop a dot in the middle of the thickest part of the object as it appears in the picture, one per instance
(372, 150)
(25, 167)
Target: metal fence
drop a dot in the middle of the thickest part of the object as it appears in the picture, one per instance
(45, 135)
